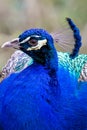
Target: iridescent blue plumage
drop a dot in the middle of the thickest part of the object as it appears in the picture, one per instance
(77, 37)
(44, 96)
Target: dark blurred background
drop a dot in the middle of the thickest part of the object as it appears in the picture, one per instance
(19, 15)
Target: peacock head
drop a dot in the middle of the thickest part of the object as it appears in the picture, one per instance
(37, 43)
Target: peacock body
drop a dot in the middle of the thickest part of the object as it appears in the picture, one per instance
(44, 96)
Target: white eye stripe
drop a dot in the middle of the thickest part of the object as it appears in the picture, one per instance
(35, 36)
(25, 40)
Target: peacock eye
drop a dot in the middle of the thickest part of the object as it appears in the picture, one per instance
(33, 42)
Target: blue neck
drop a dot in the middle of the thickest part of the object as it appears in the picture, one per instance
(51, 65)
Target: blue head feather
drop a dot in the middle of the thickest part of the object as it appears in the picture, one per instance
(77, 37)
(40, 32)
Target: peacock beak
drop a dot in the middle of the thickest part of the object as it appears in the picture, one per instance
(13, 43)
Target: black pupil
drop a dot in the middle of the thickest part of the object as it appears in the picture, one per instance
(33, 42)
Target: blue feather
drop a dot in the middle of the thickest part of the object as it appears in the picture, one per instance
(77, 38)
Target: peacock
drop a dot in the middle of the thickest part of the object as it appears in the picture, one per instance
(44, 95)
(75, 63)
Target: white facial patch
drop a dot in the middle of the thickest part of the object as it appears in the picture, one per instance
(38, 46)
(25, 40)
